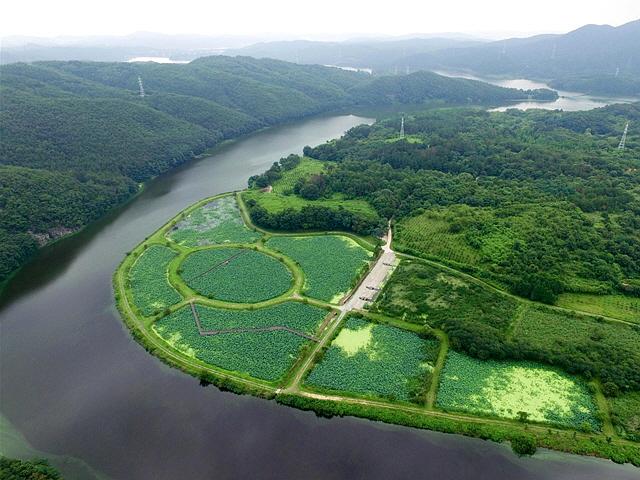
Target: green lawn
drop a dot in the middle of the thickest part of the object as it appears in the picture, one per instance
(617, 306)
(276, 202)
(307, 166)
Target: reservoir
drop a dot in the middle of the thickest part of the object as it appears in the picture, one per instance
(76, 388)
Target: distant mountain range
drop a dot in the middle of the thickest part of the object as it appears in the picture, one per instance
(597, 59)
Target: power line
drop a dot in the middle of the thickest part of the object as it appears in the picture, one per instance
(624, 137)
(140, 85)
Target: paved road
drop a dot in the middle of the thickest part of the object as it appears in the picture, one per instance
(375, 278)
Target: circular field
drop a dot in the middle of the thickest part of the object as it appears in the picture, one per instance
(236, 275)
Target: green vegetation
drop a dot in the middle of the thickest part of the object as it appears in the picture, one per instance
(265, 355)
(431, 233)
(331, 263)
(77, 139)
(235, 274)
(514, 197)
(625, 414)
(486, 324)
(581, 344)
(476, 319)
(618, 306)
(517, 390)
(149, 283)
(37, 469)
(373, 359)
(295, 315)
(276, 203)
(306, 167)
(218, 221)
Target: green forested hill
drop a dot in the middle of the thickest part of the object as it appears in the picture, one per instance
(77, 136)
(541, 202)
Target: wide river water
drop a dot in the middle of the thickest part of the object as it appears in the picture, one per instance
(75, 386)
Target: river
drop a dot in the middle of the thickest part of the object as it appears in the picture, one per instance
(567, 101)
(77, 388)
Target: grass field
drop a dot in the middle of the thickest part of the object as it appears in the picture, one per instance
(149, 284)
(235, 275)
(422, 293)
(617, 306)
(372, 359)
(294, 315)
(276, 202)
(307, 166)
(265, 355)
(331, 263)
(430, 233)
(216, 222)
(504, 389)
(625, 414)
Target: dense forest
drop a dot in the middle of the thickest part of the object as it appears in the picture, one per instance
(540, 202)
(77, 138)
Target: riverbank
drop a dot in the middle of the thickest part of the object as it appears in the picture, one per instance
(291, 392)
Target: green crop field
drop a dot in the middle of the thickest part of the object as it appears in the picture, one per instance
(613, 347)
(148, 281)
(295, 315)
(265, 355)
(625, 414)
(617, 306)
(503, 389)
(306, 167)
(430, 233)
(331, 263)
(218, 221)
(275, 202)
(372, 359)
(422, 293)
(235, 275)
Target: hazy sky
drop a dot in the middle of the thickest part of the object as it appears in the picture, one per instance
(310, 17)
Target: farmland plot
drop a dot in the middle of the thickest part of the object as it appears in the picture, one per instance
(264, 355)
(148, 280)
(504, 389)
(235, 275)
(372, 359)
(331, 263)
(219, 221)
(295, 315)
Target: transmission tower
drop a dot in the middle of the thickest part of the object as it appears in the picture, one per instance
(624, 137)
(402, 127)
(140, 85)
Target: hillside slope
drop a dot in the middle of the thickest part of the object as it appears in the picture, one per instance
(77, 137)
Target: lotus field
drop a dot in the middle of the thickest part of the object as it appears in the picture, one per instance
(516, 390)
(235, 275)
(376, 360)
(219, 221)
(331, 263)
(295, 315)
(149, 283)
(265, 355)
